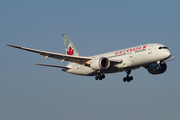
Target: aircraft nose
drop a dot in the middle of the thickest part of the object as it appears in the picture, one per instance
(168, 54)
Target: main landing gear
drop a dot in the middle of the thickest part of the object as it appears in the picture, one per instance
(127, 78)
(100, 76)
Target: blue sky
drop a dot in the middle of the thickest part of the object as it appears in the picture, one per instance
(33, 92)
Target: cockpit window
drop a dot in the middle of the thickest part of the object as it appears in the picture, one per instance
(163, 47)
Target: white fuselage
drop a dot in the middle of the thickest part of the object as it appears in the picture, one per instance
(132, 58)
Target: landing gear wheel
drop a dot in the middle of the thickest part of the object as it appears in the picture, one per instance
(103, 76)
(124, 79)
(96, 77)
(131, 78)
(127, 78)
(99, 76)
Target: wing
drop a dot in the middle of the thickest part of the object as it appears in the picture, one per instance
(76, 59)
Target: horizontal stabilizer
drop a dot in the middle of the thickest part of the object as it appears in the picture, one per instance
(54, 66)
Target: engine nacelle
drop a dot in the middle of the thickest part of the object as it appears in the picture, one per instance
(100, 63)
(156, 69)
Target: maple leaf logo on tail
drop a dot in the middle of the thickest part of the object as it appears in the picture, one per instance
(70, 51)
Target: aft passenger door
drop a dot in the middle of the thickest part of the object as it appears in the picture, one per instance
(150, 49)
(131, 54)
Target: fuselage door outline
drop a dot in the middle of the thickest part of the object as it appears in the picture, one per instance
(150, 49)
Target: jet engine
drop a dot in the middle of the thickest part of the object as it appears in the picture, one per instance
(100, 63)
(157, 68)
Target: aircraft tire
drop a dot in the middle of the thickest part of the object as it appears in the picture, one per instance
(102, 76)
(124, 79)
(96, 77)
(131, 78)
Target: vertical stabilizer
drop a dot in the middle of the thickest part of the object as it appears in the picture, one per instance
(69, 47)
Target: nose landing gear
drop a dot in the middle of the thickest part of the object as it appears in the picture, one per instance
(127, 78)
(99, 76)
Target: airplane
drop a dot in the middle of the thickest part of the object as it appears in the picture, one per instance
(151, 56)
